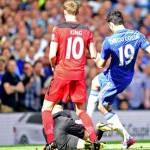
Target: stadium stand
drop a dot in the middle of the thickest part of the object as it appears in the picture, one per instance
(25, 34)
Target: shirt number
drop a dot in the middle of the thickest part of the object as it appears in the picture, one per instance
(72, 47)
(126, 54)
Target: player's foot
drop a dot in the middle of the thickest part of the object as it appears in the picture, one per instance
(128, 143)
(104, 127)
(51, 146)
(96, 146)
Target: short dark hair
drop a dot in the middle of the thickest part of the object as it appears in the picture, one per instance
(115, 17)
(28, 63)
(36, 62)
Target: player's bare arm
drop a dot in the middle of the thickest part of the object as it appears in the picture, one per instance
(91, 53)
(92, 50)
(52, 53)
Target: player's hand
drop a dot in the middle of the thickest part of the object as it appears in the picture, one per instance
(97, 57)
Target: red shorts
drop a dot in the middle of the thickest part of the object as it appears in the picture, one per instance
(61, 89)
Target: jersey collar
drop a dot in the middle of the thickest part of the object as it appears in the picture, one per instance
(121, 30)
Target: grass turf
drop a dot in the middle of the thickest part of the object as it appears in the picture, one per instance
(140, 145)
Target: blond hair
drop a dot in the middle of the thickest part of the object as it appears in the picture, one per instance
(71, 6)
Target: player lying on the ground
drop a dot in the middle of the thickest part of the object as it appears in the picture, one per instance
(69, 43)
(122, 46)
(70, 135)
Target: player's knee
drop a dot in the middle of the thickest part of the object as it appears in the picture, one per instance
(102, 108)
(99, 106)
(78, 112)
(95, 84)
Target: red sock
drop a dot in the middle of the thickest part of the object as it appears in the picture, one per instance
(87, 122)
(47, 120)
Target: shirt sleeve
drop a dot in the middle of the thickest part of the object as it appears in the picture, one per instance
(143, 41)
(105, 51)
(54, 36)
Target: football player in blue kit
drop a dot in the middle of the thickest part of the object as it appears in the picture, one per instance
(122, 46)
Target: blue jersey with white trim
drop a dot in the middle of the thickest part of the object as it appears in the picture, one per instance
(123, 47)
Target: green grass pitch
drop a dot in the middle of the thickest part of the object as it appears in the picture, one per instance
(140, 145)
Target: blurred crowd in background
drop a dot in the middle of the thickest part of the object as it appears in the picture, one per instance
(25, 34)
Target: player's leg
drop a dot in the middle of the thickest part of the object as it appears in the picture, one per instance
(93, 97)
(47, 120)
(53, 95)
(86, 120)
(112, 118)
(78, 96)
(106, 95)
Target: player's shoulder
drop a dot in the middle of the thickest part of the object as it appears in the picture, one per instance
(137, 34)
(72, 25)
(107, 40)
(133, 31)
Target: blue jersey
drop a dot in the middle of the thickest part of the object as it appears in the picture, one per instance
(123, 47)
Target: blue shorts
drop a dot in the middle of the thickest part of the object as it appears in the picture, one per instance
(109, 89)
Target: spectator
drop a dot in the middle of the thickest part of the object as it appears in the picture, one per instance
(17, 47)
(32, 89)
(3, 37)
(38, 75)
(2, 67)
(139, 83)
(2, 71)
(21, 60)
(12, 87)
(6, 53)
(46, 66)
(31, 55)
(147, 90)
(123, 105)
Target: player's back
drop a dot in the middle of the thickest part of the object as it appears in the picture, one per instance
(73, 40)
(123, 47)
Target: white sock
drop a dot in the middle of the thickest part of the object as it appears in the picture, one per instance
(92, 102)
(117, 125)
